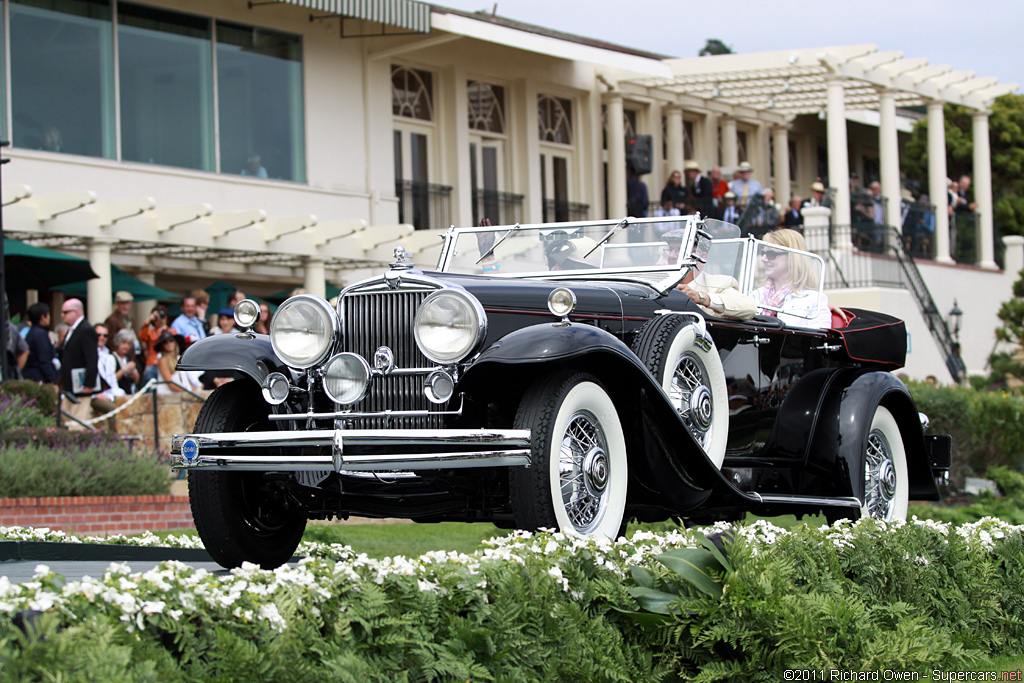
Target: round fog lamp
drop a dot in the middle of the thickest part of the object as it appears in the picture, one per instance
(247, 312)
(561, 301)
(346, 378)
(438, 386)
(275, 388)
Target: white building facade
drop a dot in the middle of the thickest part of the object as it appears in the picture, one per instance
(275, 144)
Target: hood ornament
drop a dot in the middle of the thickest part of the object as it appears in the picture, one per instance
(393, 277)
(401, 261)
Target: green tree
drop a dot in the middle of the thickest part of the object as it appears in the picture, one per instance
(1007, 365)
(714, 46)
(1006, 137)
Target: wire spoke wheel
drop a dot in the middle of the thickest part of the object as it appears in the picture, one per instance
(879, 477)
(690, 393)
(886, 485)
(583, 471)
(579, 473)
(686, 364)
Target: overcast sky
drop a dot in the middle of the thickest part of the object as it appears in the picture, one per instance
(983, 36)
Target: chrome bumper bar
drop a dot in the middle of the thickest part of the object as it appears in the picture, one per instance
(234, 450)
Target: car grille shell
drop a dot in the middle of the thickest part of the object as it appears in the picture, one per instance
(377, 318)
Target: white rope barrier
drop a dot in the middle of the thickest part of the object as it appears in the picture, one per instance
(135, 397)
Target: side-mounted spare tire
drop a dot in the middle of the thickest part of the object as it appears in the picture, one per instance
(686, 364)
(579, 473)
(242, 516)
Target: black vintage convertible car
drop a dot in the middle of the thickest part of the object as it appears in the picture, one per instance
(555, 376)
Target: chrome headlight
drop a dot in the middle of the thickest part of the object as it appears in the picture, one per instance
(303, 330)
(247, 312)
(346, 378)
(449, 325)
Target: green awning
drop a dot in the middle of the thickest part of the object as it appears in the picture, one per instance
(407, 14)
(30, 267)
(120, 280)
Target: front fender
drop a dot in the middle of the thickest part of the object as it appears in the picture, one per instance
(248, 354)
(554, 341)
(673, 464)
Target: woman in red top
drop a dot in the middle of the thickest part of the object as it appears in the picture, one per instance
(148, 335)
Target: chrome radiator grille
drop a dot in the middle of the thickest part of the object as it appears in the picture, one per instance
(385, 318)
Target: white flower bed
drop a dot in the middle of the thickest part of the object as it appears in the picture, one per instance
(174, 590)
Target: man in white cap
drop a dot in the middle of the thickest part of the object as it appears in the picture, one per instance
(121, 318)
(743, 186)
(699, 190)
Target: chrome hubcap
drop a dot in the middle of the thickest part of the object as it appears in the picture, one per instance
(692, 398)
(880, 480)
(595, 471)
(584, 471)
(700, 408)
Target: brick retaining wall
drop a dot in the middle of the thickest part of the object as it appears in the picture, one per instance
(91, 515)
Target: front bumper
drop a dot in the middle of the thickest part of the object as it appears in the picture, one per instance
(325, 449)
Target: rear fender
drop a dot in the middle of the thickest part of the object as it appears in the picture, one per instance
(248, 354)
(858, 397)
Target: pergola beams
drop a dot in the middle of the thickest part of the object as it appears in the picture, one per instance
(785, 84)
(196, 238)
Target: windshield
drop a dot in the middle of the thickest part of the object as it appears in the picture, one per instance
(649, 249)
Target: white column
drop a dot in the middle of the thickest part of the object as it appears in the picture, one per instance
(31, 297)
(708, 138)
(1014, 258)
(616, 155)
(762, 161)
(889, 157)
(838, 157)
(527, 155)
(674, 137)
(816, 221)
(456, 147)
(315, 281)
(937, 189)
(100, 289)
(730, 147)
(983, 190)
(780, 135)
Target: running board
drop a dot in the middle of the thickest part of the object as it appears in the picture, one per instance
(812, 501)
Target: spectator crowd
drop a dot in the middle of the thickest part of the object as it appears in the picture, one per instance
(93, 363)
(745, 202)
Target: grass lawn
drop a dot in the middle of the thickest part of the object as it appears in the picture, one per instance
(412, 540)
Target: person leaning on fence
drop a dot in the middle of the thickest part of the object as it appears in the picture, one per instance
(173, 379)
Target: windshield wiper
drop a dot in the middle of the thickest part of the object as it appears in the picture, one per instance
(624, 223)
(490, 251)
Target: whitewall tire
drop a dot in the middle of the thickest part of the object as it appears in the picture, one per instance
(579, 474)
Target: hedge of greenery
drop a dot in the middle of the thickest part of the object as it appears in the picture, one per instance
(37, 459)
(543, 607)
(95, 466)
(987, 427)
(42, 396)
